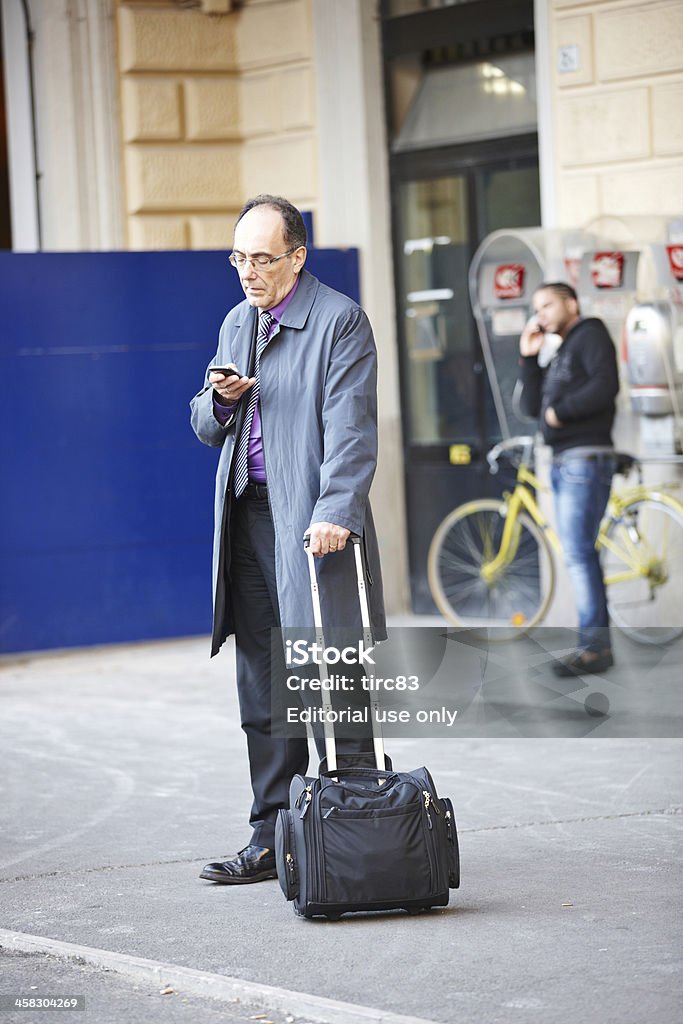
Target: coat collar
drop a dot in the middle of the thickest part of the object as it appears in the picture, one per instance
(297, 311)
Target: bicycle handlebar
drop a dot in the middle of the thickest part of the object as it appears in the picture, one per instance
(625, 462)
(510, 443)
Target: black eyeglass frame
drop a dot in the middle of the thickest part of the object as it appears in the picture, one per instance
(261, 260)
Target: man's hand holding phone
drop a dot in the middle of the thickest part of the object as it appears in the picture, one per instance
(532, 338)
(228, 385)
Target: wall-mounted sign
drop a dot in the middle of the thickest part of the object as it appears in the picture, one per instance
(460, 455)
(568, 58)
(508, 282)
(607, 269)
(675, 253)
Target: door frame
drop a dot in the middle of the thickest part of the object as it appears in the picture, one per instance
(423, 463)
(468, 160)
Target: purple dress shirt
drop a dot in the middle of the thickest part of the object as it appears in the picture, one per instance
(257, 468)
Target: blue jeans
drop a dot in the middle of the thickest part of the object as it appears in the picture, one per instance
(581, 486)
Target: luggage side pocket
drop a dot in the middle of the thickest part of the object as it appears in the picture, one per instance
(287, 874)
(453, 848)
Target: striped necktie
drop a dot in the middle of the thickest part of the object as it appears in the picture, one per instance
(241, 477)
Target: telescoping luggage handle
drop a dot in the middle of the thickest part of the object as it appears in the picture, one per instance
(330, 746)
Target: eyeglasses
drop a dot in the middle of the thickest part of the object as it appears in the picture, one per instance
(239, 260)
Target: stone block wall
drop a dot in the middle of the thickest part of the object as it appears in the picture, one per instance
(618, 86)
(214, 108)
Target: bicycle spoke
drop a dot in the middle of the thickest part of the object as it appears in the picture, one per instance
(643, 568)
(453, 565)
(513, 593)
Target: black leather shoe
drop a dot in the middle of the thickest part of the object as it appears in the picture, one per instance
(580, 664)
(252, 864)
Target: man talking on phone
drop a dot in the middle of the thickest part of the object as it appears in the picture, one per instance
(574, 397)
(296, 423)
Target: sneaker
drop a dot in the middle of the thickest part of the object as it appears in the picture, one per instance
(582, 663)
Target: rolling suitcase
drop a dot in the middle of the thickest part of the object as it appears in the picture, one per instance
(359, 838)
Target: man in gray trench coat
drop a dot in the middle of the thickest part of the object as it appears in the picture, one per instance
(304, 464)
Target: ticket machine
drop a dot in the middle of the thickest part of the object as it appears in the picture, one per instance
(653, 352)
(654, 348)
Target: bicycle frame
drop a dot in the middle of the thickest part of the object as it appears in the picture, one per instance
(506, 544)
(635, 555)
(638, 559)
(520, 499)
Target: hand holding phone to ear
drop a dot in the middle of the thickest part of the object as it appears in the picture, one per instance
(532, 338)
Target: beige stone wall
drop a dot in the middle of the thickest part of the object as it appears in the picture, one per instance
(618, 126)
(214, 108)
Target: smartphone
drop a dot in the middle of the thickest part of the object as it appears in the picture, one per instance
(228, 371)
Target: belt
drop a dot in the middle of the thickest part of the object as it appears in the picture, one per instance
(256, 492)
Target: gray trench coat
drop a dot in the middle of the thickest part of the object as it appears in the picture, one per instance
(319, 425)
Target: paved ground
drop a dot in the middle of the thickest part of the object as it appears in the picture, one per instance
(124, 771)
(108, 996)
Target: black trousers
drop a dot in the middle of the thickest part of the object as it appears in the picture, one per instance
(273, 760)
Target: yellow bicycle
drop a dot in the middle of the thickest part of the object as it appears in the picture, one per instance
(492, 561)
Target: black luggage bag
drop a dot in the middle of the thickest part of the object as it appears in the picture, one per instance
(359, 838)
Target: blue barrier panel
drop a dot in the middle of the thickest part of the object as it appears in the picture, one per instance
(106, 495)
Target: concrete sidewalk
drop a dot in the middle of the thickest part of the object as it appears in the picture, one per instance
(124, 771)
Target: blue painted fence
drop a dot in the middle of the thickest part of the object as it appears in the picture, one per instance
(105, 493)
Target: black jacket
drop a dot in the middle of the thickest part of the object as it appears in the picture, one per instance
(580, 383)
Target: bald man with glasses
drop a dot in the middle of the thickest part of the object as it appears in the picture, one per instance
(290, 399)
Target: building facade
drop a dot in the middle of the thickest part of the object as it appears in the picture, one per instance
(145, 124)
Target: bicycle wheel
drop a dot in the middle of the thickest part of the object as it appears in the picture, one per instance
(642, 562)
(467, 540)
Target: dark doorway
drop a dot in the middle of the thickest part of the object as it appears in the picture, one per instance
(463, 163)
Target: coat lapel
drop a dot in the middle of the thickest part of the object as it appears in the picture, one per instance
(297, 311)
(242, 342)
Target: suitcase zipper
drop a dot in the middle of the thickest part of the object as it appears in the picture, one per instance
(307, 794)
(315, 883)
(453, 859)
(430, 803)
(427, 801)
(291, 871)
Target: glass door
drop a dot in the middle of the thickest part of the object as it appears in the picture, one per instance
(461, 109)
(439, 223)
(437, 326)
(508, 197)
(440, 217)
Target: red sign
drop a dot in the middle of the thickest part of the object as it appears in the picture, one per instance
(508, 282)
(607, 269)
(676, 260)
